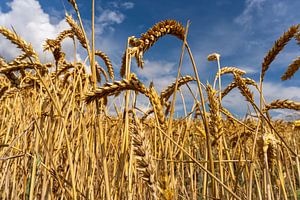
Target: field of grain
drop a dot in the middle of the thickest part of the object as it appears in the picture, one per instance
(59, 140)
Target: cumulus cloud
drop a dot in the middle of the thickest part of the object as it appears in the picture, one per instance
(33, 26)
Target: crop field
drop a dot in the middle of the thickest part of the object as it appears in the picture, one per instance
(60, 140)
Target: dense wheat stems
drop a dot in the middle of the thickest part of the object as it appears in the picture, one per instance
(63, 138)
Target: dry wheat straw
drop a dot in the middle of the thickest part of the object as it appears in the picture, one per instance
(292, 69)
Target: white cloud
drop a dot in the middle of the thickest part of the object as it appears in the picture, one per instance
(160, 72)
(111, 17)
(252, 6)
(33, 25)
(127, 5)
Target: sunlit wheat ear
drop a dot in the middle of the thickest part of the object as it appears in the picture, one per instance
(26, 65)
(149, 38)
(74, 4)
(233, 85)
(278, 46)
(157, 105)
(213, 57)
(216, 126)
(270, 146)
(283, 104)
(166, 93)
(292, 69)
(77, 30)
(144, 163)
(116, 87)
(19, 42)
(245, 91)
(54, 45)
(107, 62)
(231, 70)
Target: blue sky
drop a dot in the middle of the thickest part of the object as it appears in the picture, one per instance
(241, 31)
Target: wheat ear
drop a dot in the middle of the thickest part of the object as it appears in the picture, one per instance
(107, 62)
(166, 93)
(149, 38)
(278, 46)
(227, 70)
(283, 104)
(19, 42)
(216, 126)
(245, 91)
(77, 30)
(142, 151)
(292, 69)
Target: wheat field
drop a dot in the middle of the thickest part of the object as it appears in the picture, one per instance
(59, 140)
